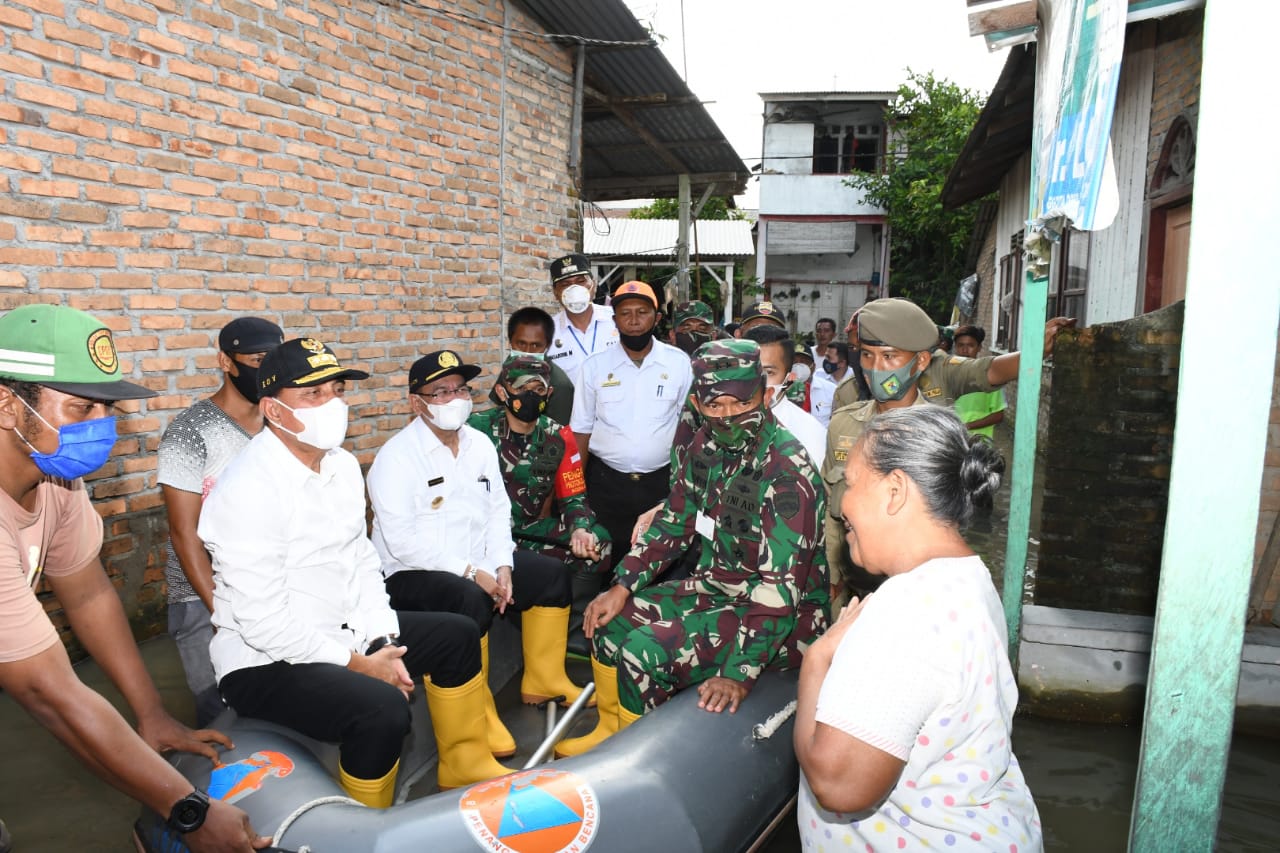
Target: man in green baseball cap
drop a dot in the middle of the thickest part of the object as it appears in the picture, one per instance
(59, 375)
(694, 325)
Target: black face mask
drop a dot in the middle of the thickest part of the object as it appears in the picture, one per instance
(526, 406)
(830, 366)
(246, 381)
(690, 341)
(635, 343)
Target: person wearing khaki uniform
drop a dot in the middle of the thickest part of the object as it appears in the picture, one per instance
(897, 355)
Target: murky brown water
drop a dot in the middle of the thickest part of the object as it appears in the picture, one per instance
(1082, 776)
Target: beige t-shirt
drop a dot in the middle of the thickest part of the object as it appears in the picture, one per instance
(62, 536)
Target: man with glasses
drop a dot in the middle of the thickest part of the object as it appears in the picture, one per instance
(442, 528)
(196, 447)
(582, 328)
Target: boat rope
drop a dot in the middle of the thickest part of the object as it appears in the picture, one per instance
(765, 730)
(303, 809)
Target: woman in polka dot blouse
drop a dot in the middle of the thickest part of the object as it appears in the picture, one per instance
(906, 704)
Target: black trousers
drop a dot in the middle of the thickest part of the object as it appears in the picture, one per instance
(366, 717)
(536, 581)
(618, 499)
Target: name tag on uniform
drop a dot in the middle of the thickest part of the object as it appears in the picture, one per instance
(610, 382)
(705, 526)
(843, 445)
(435, 481)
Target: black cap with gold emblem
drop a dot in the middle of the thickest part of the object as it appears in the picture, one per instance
(300, 363)
(436, 365)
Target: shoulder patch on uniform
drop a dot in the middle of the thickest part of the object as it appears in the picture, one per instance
(787, 503)
(932, 392)
(957, 359)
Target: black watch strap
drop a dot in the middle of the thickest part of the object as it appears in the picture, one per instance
(381, 642)
(189, 812)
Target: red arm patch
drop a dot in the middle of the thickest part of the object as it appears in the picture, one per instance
(570, 478)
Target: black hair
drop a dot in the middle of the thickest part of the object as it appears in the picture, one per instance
(770, 334)
(954, 470)
(842, 349)
(978, 333)
(29, 391)
(530, 316)
(826, 320)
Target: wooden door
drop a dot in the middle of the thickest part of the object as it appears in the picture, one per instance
(1177, 240)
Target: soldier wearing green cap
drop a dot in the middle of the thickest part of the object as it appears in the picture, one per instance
(897, 342)
(59, 376)
(695, 324)
(748, 497)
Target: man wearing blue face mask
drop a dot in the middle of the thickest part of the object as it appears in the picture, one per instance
(59, 375)
(197, 445)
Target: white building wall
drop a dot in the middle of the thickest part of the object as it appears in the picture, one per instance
(1115, 253)
(788, 149)
(812, 195)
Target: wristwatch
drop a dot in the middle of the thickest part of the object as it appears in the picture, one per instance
(189, 812)
(382, 642)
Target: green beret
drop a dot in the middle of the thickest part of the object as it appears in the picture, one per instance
(694, 310)
(520, 368)
(898, 323)
(731, 366)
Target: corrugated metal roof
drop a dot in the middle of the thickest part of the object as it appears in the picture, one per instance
(622, 238)
(642, 126)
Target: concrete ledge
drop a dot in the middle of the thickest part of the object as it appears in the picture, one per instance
(1087, 666)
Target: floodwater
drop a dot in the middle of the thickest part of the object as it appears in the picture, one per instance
(1082, 776)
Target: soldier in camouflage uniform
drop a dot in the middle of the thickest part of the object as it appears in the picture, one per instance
(897, 342)
(751, 500)
(693, 325)
(542, 470)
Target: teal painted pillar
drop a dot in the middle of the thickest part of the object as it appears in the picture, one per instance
(1034, 298)
(1224, 390)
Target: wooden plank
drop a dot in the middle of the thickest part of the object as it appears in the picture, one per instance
(1214, 483)
(1002, 18)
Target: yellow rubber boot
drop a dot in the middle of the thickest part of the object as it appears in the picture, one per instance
(501, 743)
(606, 678)
(375, 793)
(458, 717)
(626, 718)
(544, 636)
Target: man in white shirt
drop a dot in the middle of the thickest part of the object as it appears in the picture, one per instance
(305, 635)
(835, 366)
(626, 406)
(777, 354)
(824, 332)
(582, 328)
(442, 530)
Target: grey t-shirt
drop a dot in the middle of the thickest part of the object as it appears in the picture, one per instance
(196, 448)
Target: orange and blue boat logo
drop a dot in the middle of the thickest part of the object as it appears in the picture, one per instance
(232, 782)
(534, 811)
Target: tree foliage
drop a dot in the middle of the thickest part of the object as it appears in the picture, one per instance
(928, 123)
(669, 208)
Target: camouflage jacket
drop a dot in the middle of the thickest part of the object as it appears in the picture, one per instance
(544, 465)
(757, 513)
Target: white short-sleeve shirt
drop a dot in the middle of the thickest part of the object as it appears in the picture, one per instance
(570, 346)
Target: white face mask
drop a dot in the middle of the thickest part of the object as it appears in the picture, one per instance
(779, 393)
(323, 427)
(802, 372)
(575, 298)
(449, 416)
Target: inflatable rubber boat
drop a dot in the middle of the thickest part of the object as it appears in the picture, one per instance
(680, 779)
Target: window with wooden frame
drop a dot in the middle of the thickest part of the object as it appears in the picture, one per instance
(1069, 276)
(1010, 305)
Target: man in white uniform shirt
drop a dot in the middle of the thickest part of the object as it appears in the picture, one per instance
(582, 328)
(442, 529)
(305, 636)
(626, 406)
(777, 355)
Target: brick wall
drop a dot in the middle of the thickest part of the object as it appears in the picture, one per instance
(390, 178)
(1176, 87)
(1106, 466)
